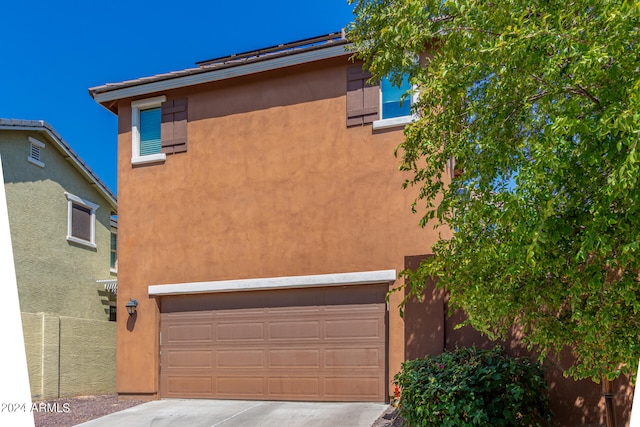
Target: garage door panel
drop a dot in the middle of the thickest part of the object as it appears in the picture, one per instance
(301, 352)
(189, 358)
(192, 316)
(295, 310)
(240, 386)
(354, 357)
(295, 357)
(235, 312)
(356, 308)
(353, 328)
(189, 385)
(193, 333)
(294, 386)
(240, 331)
(299, 330)
(348, 387)
(241, 358)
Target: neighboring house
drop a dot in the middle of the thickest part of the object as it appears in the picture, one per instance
(263, 222)
(60, 216)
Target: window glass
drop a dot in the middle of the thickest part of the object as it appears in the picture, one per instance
(114, 249)
(150, 131)
(81, 222)
(392, 103)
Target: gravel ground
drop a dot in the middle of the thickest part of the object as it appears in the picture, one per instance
(70, 411)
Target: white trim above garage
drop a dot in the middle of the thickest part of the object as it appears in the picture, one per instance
(267, 283)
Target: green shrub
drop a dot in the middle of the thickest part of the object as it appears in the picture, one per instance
(472, 387)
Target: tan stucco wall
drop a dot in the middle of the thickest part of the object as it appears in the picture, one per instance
(273, 184)
(91, 369)
(69, 356)
(55, 276)
(32, 330)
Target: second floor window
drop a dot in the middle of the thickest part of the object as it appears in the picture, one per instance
(150, 131)
(158, 129)
(396, 103)
(146, 117)
(396, 100)
(81, 222)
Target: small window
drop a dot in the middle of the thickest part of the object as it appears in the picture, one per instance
(81, 225)
(395, 104)
(146, 118)
(112, 313)
(114, 246)
(150, 131)
(34, 152)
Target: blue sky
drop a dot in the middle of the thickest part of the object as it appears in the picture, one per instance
(53, 51)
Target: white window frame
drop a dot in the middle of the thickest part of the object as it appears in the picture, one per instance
(34, 142)
(136, 107)
(114, 231)
(71, 200)
(396, 121)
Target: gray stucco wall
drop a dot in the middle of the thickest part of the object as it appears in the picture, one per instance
(55, 276)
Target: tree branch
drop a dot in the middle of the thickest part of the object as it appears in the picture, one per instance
(534, 98)
(478, 30)
(579, 90)
(443, 18)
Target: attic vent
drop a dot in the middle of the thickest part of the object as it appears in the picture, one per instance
(34, 152)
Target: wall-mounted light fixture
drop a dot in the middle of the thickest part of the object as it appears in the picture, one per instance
(131, 306)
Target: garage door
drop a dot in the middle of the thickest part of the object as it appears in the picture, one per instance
(319, 344)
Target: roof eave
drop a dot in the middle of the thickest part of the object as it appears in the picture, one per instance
(67, 152)
(105, 95)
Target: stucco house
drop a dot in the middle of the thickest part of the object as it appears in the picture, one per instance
(62, 233)
(262, 223)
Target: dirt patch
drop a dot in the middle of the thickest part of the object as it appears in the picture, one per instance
(389, 419)
(67, 412)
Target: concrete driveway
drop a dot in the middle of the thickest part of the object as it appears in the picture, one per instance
(226, 413)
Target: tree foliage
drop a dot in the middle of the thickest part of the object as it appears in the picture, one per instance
(538, 102)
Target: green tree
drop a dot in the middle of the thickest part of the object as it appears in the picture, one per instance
(538, 102)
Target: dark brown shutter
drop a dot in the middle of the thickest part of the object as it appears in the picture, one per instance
(363, 99)
(81, 222)
(174, 126)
